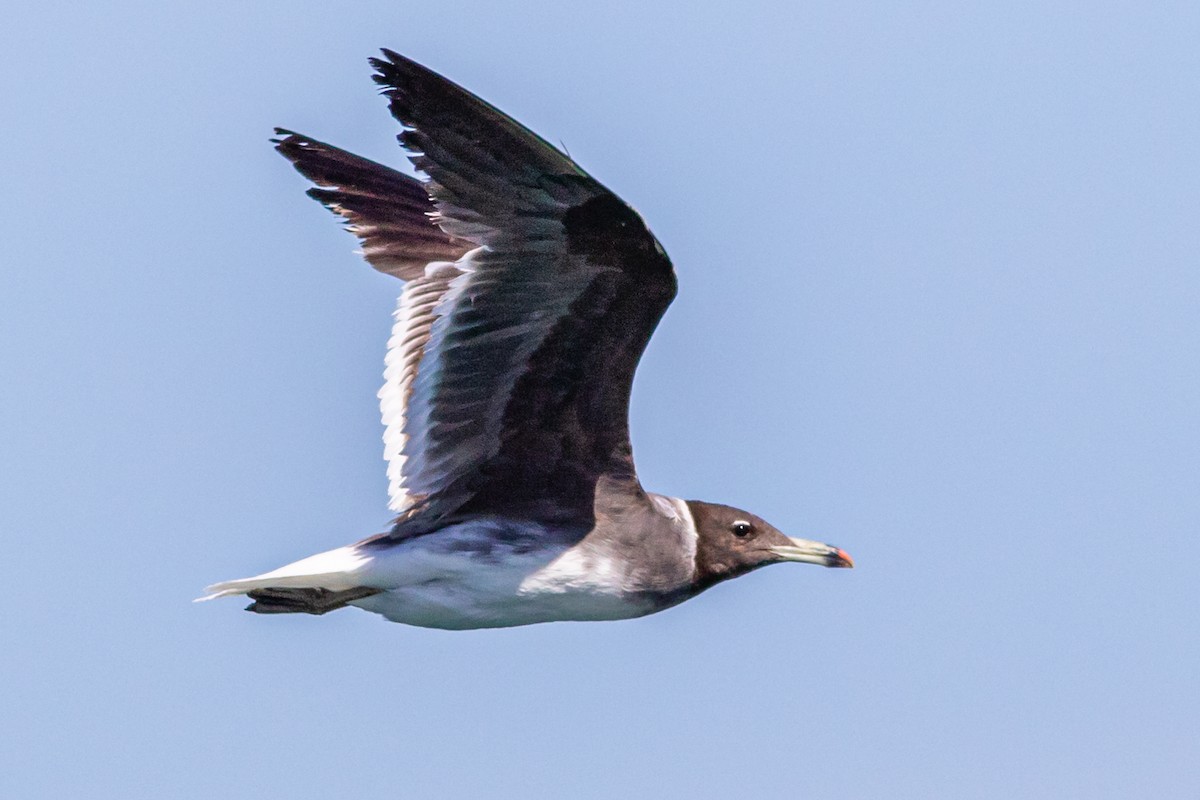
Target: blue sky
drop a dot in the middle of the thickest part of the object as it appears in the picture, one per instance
(938, 305)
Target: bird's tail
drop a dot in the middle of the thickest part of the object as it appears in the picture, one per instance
(313, 585)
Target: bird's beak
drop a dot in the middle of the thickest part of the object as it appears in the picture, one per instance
(808, 552)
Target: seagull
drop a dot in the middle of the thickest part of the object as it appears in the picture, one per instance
(530, 292)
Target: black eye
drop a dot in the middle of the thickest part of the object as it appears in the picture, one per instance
(741, 529)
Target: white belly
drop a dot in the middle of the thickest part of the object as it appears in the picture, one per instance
(464, 577)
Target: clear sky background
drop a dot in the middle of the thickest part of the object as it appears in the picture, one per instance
(939, 294)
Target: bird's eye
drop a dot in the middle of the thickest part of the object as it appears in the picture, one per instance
(741, 529)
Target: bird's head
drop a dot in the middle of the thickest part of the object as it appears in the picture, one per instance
(731, 542)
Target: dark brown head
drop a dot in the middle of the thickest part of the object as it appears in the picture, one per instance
(731, 542)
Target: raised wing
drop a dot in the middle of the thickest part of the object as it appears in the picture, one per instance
(514, 378)
(388, 210)
(391, 213)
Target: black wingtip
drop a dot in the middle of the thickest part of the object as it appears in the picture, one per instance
(385, 76)
(395, 72)
(294, 146)
(385, 66)
(286, 139)
(393, 60)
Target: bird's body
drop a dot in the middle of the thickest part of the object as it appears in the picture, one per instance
(496, 572)
(530, 293)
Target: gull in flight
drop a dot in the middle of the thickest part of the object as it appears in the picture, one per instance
(530, 292)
